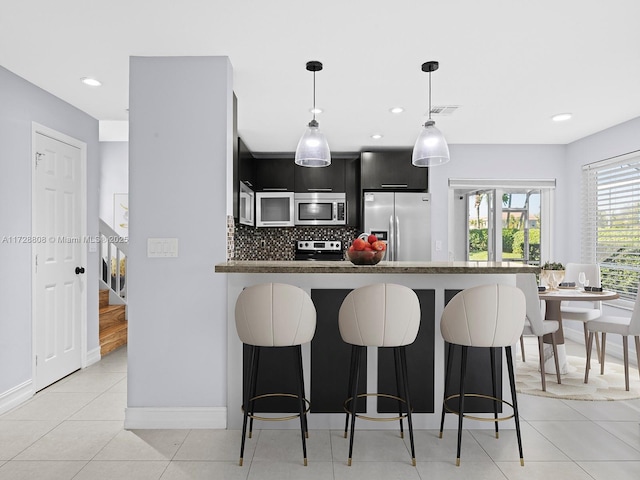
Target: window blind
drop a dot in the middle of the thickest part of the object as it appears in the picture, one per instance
(611, 222)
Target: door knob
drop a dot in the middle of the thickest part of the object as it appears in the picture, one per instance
(79, 270)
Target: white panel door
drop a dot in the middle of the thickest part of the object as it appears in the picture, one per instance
(57, 245)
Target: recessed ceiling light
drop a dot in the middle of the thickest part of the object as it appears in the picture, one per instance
(396, 110)
(561, 117)
(92, 82)
(315, 110)
(376, 136)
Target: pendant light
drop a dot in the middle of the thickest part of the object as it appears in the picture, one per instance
(431, 148)
(313, 149)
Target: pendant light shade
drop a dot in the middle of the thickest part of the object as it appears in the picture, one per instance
(431, 148)
(313, 149)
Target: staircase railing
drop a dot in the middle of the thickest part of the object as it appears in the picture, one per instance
(113, 259)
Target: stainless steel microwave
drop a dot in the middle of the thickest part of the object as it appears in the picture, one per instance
(320, 209)
(274, 209)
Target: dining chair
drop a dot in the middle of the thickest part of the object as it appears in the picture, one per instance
(583, 311)
(625, 326)
(535, 324)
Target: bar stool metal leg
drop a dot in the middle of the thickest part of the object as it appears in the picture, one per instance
(463, 370)
(351, 376)
(354, 398)
(399, 387)
(254, 380)
(301, 375)
(514, 398)
(249, 393)
(447, 376)
(492, 351)
(405, 381)
(298, 355)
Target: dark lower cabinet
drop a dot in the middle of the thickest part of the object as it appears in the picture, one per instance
(478, 376)
(330, 356)
(277, 372)
(420, 363)
(330, 359)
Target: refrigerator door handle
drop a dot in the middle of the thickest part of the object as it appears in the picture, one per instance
(397, 242)
(392, 239)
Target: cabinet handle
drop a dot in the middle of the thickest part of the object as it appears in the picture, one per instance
(320, 189)
(274, 189)
(394, 185)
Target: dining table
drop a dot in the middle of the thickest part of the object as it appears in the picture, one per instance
(553, 299)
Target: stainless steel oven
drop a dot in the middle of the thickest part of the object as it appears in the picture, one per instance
(320, 209)
(319, 250)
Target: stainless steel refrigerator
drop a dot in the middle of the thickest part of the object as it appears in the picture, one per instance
(403, 220)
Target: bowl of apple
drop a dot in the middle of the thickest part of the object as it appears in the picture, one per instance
(366, 250)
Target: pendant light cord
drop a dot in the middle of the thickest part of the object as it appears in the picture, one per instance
(314, 95)
(429, 95)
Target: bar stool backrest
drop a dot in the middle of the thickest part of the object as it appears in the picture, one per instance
(380, 315)
(485, 316)
(275, 315)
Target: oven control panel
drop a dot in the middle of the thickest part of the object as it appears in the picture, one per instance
(319, 246)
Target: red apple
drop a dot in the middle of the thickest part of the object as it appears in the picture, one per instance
(379, 246)
(359, 244)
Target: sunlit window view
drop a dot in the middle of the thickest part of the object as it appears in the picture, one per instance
(519, 225)
(611, 223)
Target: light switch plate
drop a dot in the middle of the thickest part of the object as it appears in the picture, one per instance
(162, 247)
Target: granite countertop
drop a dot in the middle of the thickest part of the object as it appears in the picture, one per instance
(303, 266)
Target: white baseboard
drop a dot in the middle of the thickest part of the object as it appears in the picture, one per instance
(15, 396)
(93, 356)
(175, 418)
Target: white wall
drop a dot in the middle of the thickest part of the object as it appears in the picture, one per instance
(612, 142)
(114, 176)
(180, 144)
(22, 103)
(488, 162)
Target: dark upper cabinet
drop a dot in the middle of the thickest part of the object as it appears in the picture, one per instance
(320, 179)
(392, 170)
(353, 191)
(274, 174)
(236, 161)
(246, 168)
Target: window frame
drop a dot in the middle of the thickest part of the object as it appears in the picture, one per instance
(608, 186)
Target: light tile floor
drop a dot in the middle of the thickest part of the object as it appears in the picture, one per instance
(74, 430)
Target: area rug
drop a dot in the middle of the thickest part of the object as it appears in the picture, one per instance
(609, 386)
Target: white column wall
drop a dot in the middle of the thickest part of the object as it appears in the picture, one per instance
(180, 146)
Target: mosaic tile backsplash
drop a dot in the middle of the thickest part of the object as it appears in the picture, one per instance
(251, 243)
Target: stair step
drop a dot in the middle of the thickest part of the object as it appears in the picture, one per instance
(113, 337)
(103, 298)
(111, 315)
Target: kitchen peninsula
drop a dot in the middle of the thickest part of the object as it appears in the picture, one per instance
(326, 359)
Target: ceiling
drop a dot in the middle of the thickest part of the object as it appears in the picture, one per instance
(508, 65)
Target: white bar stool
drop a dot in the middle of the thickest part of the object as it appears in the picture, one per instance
(274, 315)
(380, 315)
(489, 316)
